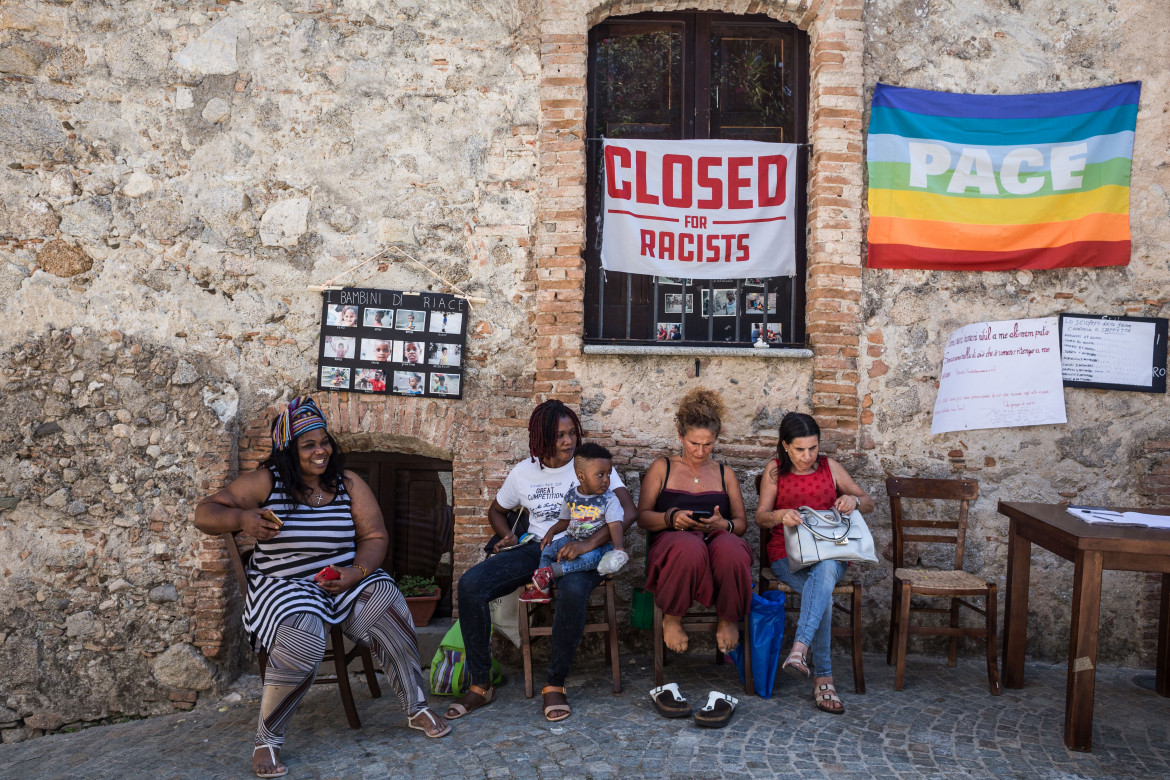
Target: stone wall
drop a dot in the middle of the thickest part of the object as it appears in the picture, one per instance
(109, 441)
(1110, 450)
(183, 171)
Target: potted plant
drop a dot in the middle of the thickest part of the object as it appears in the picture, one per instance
(422, 596)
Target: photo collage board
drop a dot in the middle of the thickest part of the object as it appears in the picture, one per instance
(389, 342)
(732, 310)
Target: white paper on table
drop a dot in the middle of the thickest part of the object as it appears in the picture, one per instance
(1103, 516)
(1000, 375)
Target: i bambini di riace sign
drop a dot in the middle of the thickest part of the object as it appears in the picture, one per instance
(703, 209)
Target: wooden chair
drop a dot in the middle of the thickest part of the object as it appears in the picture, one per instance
(609, 627)
(334, 653)
(850, 632)
(953, 583)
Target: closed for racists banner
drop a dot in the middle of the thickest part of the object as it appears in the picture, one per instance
(709, 209)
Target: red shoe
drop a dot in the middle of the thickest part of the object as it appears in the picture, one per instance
(536, 596)
(542, 577)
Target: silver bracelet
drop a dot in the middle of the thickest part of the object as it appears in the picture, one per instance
(730, 527)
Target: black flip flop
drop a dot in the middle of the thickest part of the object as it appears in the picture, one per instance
(669, 702)
(717, 713)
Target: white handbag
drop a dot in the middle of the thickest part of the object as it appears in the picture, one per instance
(826, 535)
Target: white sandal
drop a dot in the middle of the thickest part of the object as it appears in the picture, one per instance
(432, 722)
(275, 762)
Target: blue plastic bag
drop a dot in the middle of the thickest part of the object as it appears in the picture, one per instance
(766, 618)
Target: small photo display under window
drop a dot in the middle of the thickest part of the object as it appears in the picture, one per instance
(674, 303)
(379, 318)
(724, 303)
(392, 343)
(754, 304)
(669, 331)
(771, 331)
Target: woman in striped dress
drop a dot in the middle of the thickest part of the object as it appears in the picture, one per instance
(307, 514)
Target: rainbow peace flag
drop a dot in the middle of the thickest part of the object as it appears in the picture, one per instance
(996, 182)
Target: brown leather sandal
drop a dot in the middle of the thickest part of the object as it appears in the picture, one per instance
(562, 706)
(477, 696)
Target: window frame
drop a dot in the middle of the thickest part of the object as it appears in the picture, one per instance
(696, 115)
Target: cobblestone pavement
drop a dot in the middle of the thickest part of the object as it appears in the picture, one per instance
(945, 724)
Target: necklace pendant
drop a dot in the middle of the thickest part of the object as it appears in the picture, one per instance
(696, 480)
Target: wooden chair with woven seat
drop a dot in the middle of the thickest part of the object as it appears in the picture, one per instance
(609, 626)
(953, 583)
(850, 632)
(335, 653)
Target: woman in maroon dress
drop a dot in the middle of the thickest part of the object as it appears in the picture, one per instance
(693, 510)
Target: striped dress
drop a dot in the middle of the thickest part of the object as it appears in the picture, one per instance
(280, 573)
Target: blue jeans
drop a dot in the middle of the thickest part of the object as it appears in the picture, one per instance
(502, 574)
(814, 627)
(582, 562)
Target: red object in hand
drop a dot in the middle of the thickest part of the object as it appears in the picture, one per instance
(328, 573)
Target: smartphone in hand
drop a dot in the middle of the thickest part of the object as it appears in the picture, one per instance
(702, 515)
(328, 573)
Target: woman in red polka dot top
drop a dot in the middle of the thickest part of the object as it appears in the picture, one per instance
(801, 476)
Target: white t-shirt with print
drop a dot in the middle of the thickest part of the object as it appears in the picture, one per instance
(541, 491)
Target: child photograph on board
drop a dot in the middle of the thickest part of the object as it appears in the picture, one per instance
(378, 318)
(339, 347)
(377, 350)
(408, 383)
(446, 322)
(444, 354)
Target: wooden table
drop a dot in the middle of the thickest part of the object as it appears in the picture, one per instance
(1092, 548)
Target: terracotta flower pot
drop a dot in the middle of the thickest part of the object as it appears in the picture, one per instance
(422, 607)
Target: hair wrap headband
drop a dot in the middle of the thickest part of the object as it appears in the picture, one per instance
(301, 416)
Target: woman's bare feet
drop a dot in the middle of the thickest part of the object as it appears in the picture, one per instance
(726, 635)
(673, 634)
(266, 762)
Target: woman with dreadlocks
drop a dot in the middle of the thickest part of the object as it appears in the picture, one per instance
(538, 483)
(308, 515)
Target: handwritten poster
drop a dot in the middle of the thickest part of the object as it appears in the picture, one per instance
(1000, 375)
(1113, 353)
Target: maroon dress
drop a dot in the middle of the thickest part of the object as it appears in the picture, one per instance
(688, 566)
